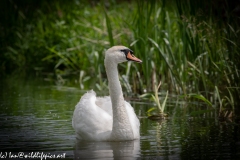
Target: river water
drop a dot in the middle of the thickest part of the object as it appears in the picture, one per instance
(36, 116)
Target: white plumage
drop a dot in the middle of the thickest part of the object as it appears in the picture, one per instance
(107, 118)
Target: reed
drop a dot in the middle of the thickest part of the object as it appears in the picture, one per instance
(189, 52)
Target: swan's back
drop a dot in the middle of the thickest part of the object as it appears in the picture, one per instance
(92, 118)
(90, 121)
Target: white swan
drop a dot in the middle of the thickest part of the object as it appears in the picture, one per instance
(107, 118)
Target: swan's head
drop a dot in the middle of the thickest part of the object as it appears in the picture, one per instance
(119, 54)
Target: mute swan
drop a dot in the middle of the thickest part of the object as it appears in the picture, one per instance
(107, 118)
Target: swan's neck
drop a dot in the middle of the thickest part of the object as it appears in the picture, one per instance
(121, 125)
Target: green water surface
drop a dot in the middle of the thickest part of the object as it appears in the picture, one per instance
(36, 117)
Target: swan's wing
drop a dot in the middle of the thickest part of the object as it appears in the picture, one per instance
(105, 103)
(90, 121)
(133, 120)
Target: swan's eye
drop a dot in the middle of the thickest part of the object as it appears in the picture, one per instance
(130, 56)
(126, 51)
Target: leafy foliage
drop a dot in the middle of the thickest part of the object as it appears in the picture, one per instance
(191, 53)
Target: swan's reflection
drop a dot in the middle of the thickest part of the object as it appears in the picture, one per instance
(107, 150)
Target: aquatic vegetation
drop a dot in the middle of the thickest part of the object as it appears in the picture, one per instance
(194, 55)
(160, 106)
(224, 112)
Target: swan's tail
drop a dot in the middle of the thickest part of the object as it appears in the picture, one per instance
(88, 95)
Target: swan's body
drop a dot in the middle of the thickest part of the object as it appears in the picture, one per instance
(107, 118)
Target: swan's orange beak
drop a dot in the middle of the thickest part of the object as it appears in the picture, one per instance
(133, 58)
